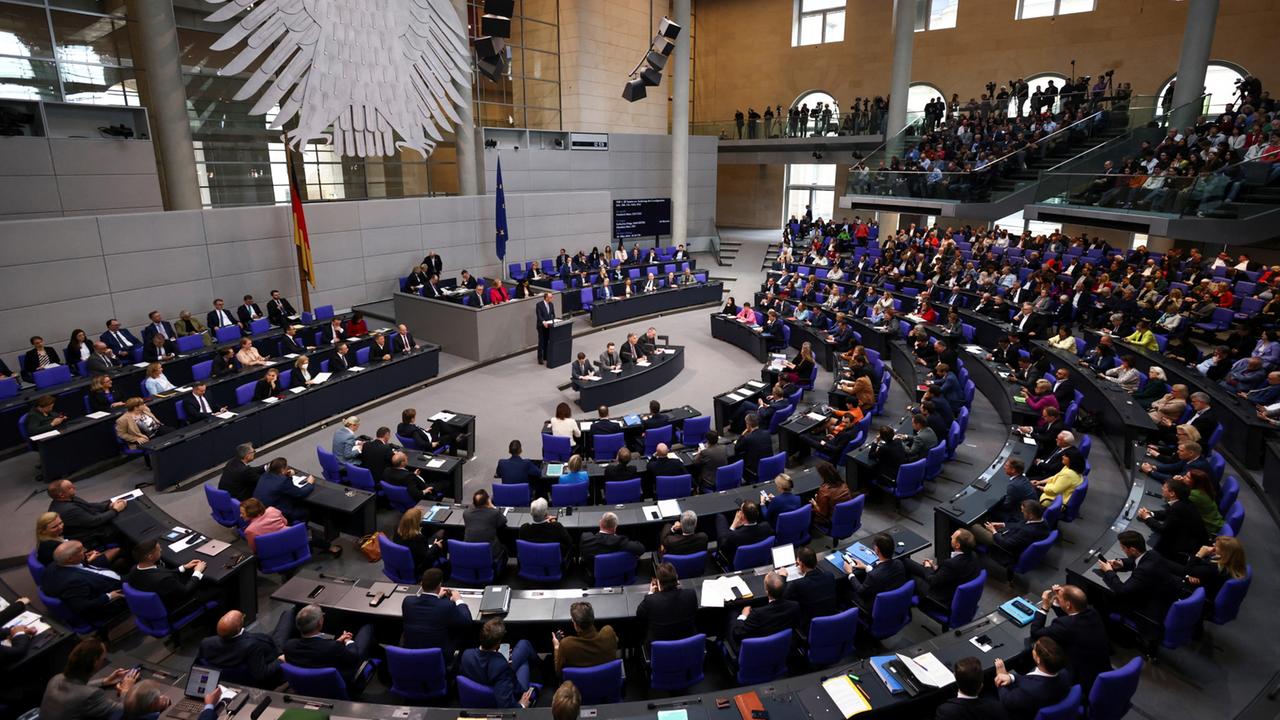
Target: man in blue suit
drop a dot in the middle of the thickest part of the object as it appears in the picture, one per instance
(157, 326)
(516, 469)
(952, 392)
(783, 501)
(487, 666)
(546, 314)
(888, 573)
(433, 617)
(1268, 393)
(119, 339)
(1023, 696)
(276, 489)
(88, 592)
(754, 444)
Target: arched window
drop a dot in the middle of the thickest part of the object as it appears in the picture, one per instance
(919, 95)
(816, 100)
(1041, 80)
(1220, 80)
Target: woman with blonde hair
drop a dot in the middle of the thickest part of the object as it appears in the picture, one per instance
(573, 472)
(49, 535)
(426, 552)
(156, 383)
(1213, 565)
(138, 424)
(301, 370)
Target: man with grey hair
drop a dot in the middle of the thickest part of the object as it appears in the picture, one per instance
(239, 477)
(1200, 418)
(346, 446)
(682, 536)
(545, 529)
(780, 614)
(144, 700)
(1065, 444)
(607, 540)
(317, 649)
(88, 592)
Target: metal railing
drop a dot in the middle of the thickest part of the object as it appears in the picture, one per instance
(838, 125)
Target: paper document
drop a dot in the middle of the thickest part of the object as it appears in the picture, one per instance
(651, 512)
(442, 416)
(1028, 441)
(755, 383)
(292, 356)
(815, 416)
(187, 542)
(355, 368)
(297, 390)
(321, 377)
(141, 364)
(929, 670)
(96, 415)
(182, 389)
(848, 698)
(225, 415)
(269, 400)
(733, 397)
(975, 349)
(29, 619)
(735, 582)
(783, 555)
(435, 463)
(135, 493)
(45, 435)
(712, 593)
(584, 425)
(300, 480)
(669, 508)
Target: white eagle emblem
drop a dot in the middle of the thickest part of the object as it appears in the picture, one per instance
(370, 69)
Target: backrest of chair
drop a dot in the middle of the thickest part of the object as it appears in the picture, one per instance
(653, 436)
(539, 561)
(606, 446)
(472, 694)
(688, 566)
(189, 343)
(831, 637)
(571, 494)
(52, 376)
(964, 603)
(36, 568)
(398, 496)
(846, 517)
(1071, 510)
(360, 478)
(472, 561)
(1112, 691)
(202, 370)
(397, 561)
(226, 334)
(1226, 605)
(891, 610)
(1181, 619)
(754, 555)
(598, 684)
(1217, 464)
(329, 464)
(362, 355)
(622, 491)
(324, 312)
(793, 525)
(670, 487)
(1066, 709)
(1053, 512)
(511, 495)
(729, 476)
(695, 429)
(677, 664)
(556, 448)
(407, 443)
(224, 508)
(1235, 518)
(933, 460)
(316, 682)
(1035, 553)
(586, 296)
(1230, 492)
(615, 568)
(282, 549)
(772, 466)
(417, 674)
(148, 611)
(910, 478)
(764, 658)
(1086, 444)
(244, 393)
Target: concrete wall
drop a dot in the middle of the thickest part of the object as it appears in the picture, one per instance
(42, 177)
(600, 43)
(635, 166)
(750, 196)
(60, 274)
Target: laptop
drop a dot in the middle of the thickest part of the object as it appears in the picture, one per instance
(200, 682)
(630, 421)
(784, 556)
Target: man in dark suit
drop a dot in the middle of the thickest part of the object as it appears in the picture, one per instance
(375, 455)
(248, 312)
(543, 528)
(1019, 488)
(157, 326)
(748, 527)
(710, 458)
(340, 360)
(239, 478)
(1012, 538)
(102, 361)
(604, 426)
(767, 408)
(649, 342)
(1151, 586)
(481, 523)
(814, 591)
(402, 341)
(1024, 695)
(936, 582)
(631, 351)
(888, 452)
(754, 445)
(486, 666)
(196, 404)
(888, 574)
(89, 522)
(1045, 433)
(315, 649)
(276, 489)
(119, 339)
(581, 367)
(620, 468)
(400, 475)
(1064, 444)
(656, 418)
(432, 288)
(1178, 531)
(607, 540)
(179, 589)
(778, 615)
(516, 469)
(433, 263)
(291, 344)
(219, 316)
(546, 317)
(434, 618)
(88, 592)
(257, 653)
(668, 611)
(1063, 389)
(969, 702)
(663, 464)
(279, 311)
(682, 537)
(1077, 628)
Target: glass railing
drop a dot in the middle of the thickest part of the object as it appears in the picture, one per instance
(838, 125)
(1216, 194)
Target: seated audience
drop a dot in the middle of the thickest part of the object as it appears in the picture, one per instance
(543, 528)
(434, 618)
(508, 678)
(233, 647)
(605, 540)
(588, 646)
(669, 611)
(682, 537)
(316, 649)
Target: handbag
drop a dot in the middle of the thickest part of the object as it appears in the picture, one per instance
(370, 548)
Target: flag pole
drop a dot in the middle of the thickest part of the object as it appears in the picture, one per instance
(295, 203)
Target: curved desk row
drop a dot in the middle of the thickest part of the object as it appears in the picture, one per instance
(632, 381)
(735, 332)
(618, 309)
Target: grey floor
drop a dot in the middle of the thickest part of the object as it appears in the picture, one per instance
(512, 397)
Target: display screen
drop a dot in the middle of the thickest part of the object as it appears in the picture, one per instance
(641, 218)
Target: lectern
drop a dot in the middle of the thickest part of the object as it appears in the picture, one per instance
(560, 344)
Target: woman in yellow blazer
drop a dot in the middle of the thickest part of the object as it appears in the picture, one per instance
(138, 424)
(1063, 483)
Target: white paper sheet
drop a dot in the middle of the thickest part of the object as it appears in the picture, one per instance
(97, 415)
(669, 508)
(225, 415)
(135, 493)
(442, 416)
(44, 435)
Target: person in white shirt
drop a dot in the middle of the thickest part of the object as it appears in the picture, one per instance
(651, 284)
(563, 424)
(301, 371)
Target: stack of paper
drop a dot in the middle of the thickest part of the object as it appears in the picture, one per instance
(755, 383)
(442, 416)
(669, 508)
(45, 435)
(731, 397)
(225, 415)
(320, 377)
(713, 592)
(96, 415)
(435, 463)
(300, 480)
(269, 400)
(355, 368)
(29, 619)
(928, 670)
(816, 416)
(848, 698)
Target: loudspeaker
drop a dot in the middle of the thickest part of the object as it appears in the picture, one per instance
(504, 8)
(634, 91)
(496, 26)
(669, 29)
(493, 68)
(656, 59)
(489, 46)
(662, 45)
(650, 77)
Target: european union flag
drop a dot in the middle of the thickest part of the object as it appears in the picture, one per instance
(500, 216)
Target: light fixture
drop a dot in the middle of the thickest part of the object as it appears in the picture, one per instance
(648, 73)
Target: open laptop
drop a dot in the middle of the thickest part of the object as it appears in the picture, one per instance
(784, 556)
(200, 682)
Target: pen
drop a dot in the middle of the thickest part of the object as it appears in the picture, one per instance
(854, 678)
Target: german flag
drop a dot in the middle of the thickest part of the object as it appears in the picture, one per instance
(306, 269)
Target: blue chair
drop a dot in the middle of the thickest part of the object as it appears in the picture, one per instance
(1112, 692)
(224, 509)
(763, 659)
(846, 519)
(654, 436)
(407, 443)
(588, 297)
(417, 675)
(891, 611)
(472, 562)
(615, 568)
(570, 495)
(954, 439)
(754, 555)
(360, 478)
(688, 566)
(539, 562)
(622, 491)
(964, 603)
(933, 461)
(771, 467)
(244, 393)
(1066, 709)
(910, 481)
(202, 370)
(259, 326)
(189, 343)
(677, 664)
(1181, 620)
(695, 429)
(511, 495)
(36, 568)
(1053, 513)
(598, 684)
(397, 496)
(56, 608)
(1234, 519)
(607, 446)
(151, 617)
(316, 682)
(1217, 464)
(52, 376)
(1071, 510)
(324, 312)
(362, 356)
(1230, 492)
(330, 466)
(729, 476)
(1226, 606)
(1034, 554)
(178, 410)
(556, 448)
(792, 527)
(780, 417)
(1214, 437)
(831, 637)
(670, 487)
(397, 562)
(283, 550)
(226, 334)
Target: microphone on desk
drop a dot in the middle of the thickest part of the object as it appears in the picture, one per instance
(308, 701)
(339, 578)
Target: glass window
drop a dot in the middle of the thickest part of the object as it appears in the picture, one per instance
(936, 14)
(1028, 9)
(811, 184)
(98, 85)
(24, 32)
(817, 22)
(91, 39)
(28, 79)
(1219, 84)
(918, 96)
(1042, 81)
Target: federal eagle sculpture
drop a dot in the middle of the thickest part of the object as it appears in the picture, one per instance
(372, 70)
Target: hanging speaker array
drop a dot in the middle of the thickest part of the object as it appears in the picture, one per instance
(493, 57)
(649, 72)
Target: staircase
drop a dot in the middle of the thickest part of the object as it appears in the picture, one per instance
(1253, 200)
(1060, 154)
(770, 255)
(727, 251)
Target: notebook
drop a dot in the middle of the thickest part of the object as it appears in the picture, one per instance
(496, 600)
(748, 704)
(848, 698)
